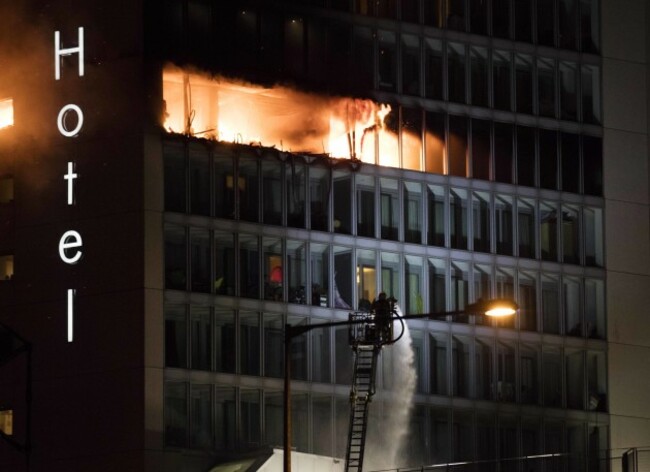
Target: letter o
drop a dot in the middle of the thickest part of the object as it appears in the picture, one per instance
(60, 121)
(69, 240)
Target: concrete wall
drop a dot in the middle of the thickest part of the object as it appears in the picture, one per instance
(625, 54)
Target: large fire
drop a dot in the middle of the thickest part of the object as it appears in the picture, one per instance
(6, 113)
(284, 118)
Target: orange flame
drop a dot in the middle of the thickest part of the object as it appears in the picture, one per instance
(6, 113)
(227, 110)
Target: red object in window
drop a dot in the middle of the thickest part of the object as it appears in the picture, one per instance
(276, 275)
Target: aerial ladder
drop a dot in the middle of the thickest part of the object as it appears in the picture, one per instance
(369, 333)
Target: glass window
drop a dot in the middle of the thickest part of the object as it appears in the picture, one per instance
(596, 381)
(387, 62)
(548, 151)
(484, 352)
(199, 180)
(363, 57)
(175, 336)
(528, 301)
(531, 440)
(436, 209)
(321, 353)
(390, 274)
(249, 343)
(247, 37)
(250, 422)
(501, 18)
(526, 227)
(365, 185)
(503, 164)
(463, 436)
(479, 71)
(505, 372)
(272, 192)
(456, 72)
(387, 143)
(524, 83)
(299, 352)
(322, 425)
(414, 288)
(458, 218)
(529, 362)
(295, 175)
(481, 221)
(508, 442)
(274, 417)
(572, 306)
(481, 149)
(526, 167)
(459, 288)
(319, 192)
(386, 8)
(176, 417)
(201, 325)
(482, 282)
(270, 34)
(274, 277)
(505, 278)
(440, 447)
(339, 38)
(7, 422)
(224, 187)
(568, 91)
(570, 162)
(249, 266)
(342, 202)
(568, 24)
(486, 442)
(437, 286)
(434, 71)
(592, 160)
(590, 76)
(478, 16)
(575, 379)
(175, 181)
(411, 11)
(460, 366)
(456, 15)
(201, 435)
(225, 341)
(294, 43)
(297, 276)
(413, 205)
(225, 414)
(389, 196)
(501, 79)
(410, 65)
(546, 86)
(589, 26)
(366, 278)
(344, 359)
(552, 370)
(200, 259)
(435, 143)
(548, 231)
(593, 219)
(224, 256)
(438, 363)
(598, 446)
(175, 257)
(6, 189)
(503, 223)
(576, 449)
(551, 304)
(570, 235)
(411, 141)
(343, 283)
(248, 185)
(546, 25)
(523, 20)
(434, 12)
(595, 308)
(320, 269)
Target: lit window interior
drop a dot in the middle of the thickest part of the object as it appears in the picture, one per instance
(6, 112)
(6, 267)
(7, 422)
(280, 117)
(6, 189)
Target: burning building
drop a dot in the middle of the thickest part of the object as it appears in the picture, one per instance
(180, 179)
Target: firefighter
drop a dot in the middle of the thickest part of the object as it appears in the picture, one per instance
(382, 309)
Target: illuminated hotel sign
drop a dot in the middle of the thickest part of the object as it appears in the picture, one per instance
(70, 243)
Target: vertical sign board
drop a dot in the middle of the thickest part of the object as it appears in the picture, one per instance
(70, 243)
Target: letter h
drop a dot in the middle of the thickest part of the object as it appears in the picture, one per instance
(59, 52)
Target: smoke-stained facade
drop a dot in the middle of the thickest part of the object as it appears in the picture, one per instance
(234, 166)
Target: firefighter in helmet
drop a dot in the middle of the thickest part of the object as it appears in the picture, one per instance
(382, 309)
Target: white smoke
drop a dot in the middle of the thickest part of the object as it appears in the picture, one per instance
(388, 428)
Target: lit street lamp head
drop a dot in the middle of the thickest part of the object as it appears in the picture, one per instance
(497, 307)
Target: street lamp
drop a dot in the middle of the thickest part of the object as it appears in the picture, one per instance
(494, 308)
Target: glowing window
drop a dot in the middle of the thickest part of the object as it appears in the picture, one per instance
(7, 422)
(6, 272)
(6, 112)
(6, 189)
